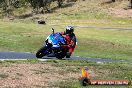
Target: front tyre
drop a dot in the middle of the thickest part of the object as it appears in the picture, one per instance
(41, 52)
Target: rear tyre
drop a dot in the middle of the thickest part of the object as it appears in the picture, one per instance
(60, 56)
(41, 52)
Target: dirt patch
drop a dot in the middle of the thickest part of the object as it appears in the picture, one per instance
(120, 12)
(33, 75)
(44, 75)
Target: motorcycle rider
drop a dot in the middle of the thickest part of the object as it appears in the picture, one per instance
(70, 38)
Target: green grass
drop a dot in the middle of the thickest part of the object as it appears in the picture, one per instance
(105, 44)
(112, 71)
(100, 71)
(89, 13)
(26, 36)
(29, 37)
(21, 36)
(88, 18)
(28, 61)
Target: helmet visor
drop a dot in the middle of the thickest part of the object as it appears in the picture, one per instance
(69, 31)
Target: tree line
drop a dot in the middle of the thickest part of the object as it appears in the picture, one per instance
(38, 6)
(7, 6)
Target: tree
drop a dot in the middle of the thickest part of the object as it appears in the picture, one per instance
(131, 4)
(43, 5)
(113, 0)
(8, 6)
(39, 6)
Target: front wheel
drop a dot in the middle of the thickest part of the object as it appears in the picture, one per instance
(41, 52)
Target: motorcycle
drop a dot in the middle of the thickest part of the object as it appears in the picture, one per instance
(53, 46)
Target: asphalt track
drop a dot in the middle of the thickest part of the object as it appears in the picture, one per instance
(11, 55)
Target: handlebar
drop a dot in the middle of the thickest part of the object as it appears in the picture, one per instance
(53, 30)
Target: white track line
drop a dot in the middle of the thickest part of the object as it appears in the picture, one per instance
(24, 59)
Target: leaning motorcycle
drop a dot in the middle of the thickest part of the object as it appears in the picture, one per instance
(53, 46)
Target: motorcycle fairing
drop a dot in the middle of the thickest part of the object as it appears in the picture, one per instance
(56, 39)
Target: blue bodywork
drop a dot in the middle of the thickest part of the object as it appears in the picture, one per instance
(56, 39)
(53, 47)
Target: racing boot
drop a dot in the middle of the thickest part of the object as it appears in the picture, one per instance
(68, 55)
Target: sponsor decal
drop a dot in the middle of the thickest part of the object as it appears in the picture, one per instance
(85, 80)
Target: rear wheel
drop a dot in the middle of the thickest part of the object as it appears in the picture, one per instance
(41, 52)
(60, 55)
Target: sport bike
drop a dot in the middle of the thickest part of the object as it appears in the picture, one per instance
(53, 47)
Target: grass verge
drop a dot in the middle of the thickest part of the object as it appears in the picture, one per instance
(98, 71)
(60, 73)
(29, 37)
(26, 36)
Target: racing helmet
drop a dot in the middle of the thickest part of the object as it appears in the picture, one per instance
(69, 29)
